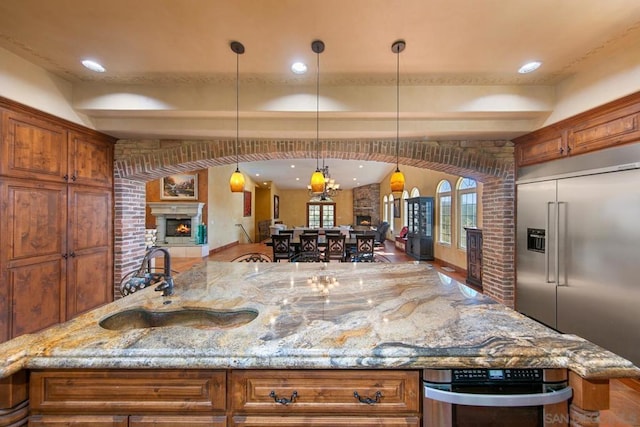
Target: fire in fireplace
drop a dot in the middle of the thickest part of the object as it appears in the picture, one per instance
(363, 220)
(178, 227)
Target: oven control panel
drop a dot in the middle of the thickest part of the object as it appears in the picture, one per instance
(496, 375)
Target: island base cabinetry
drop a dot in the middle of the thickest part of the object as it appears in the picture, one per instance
(325, 398)
(135, 398)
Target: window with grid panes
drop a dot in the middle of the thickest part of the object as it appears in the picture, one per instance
(468, 208)
(321, 215)
(444, 210)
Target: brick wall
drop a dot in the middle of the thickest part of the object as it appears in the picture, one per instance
(490, 162)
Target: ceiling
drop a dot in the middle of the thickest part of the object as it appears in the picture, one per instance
(170, 72)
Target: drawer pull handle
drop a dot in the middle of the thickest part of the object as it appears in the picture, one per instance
(283, 400)
(368, 400)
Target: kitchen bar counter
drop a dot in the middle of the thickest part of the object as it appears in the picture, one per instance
(315, 316)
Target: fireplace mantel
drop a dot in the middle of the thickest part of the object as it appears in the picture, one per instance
(176, 210)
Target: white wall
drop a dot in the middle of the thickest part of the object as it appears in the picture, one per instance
(28, 84)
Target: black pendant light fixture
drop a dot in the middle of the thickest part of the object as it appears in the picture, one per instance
(397, 178)
(236, 183)
(317, 179)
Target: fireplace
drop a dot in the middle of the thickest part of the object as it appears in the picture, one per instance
(178, 227)
(177, 222)
(363, 220)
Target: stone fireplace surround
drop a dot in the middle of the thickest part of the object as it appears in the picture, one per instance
(184, 246)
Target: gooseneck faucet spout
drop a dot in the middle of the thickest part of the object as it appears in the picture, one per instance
(144, 277)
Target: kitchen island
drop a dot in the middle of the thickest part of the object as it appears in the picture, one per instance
(354, 317)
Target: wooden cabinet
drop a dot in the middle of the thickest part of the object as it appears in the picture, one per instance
(128, 398)
(420, 222)
(56, 219)
(139, 398)
(609, 125)
(331, 398)
(40, 149)
(474, 256)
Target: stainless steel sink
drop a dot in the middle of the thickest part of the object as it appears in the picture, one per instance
(139, 318)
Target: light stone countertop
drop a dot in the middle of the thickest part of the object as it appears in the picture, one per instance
(375, 315)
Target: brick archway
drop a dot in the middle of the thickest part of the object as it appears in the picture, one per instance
(490, 162)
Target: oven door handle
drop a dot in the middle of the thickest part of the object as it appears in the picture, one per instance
(497, 400)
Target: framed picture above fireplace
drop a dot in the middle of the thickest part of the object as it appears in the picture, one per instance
(179, 187)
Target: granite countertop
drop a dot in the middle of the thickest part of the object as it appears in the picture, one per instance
(316, 316)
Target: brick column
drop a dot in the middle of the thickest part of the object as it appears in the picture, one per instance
(498, 232)
(129, 223)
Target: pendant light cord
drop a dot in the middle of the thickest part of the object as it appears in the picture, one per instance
(398, 110)
(237, 108)
(318, 111)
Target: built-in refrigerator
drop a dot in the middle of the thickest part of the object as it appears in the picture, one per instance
(578, 247)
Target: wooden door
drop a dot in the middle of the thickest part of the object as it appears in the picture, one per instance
(32, 263)
(90, 249)
(32, 148)
(91, 160)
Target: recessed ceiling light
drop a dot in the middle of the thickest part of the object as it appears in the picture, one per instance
(360, 166)
(293, 166)
(530, 67)
(299, 68)
(93, 66)
(297, 179)
(257, 174)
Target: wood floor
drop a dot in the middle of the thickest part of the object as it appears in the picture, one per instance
(624, 394)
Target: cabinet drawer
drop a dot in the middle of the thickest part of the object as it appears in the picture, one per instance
(79, 420)
(177, 421)
(108, 391)
(320, 421)
(326, 391)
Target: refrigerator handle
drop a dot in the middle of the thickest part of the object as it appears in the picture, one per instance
(546, 242)
(557, 245)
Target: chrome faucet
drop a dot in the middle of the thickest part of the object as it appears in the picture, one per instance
(145, 277)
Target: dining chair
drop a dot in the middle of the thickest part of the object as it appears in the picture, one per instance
(365, 245)
(282, 249)
(309, 249)
(335, 248)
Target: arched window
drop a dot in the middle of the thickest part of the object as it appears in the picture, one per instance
(403, 213)
(467, 208)
(415, 192)
(388, 211)
(385, 209)
(444, 212)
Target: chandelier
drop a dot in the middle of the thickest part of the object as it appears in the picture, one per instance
(329, 186)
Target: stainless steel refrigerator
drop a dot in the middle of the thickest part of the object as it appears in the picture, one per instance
(578, 247)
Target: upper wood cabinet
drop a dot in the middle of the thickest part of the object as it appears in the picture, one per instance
(40, 149)
(609, 125)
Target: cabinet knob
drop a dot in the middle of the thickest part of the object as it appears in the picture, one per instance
(283, 400)
(66, 177)
(72, 254)
(65, 256)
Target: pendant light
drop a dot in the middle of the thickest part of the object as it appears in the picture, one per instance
(397, 178)
(317, 179)
(236, 183)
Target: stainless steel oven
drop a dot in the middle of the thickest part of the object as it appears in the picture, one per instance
(496, 397)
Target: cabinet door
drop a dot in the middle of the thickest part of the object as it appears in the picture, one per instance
(32, 148)
(548, 147)
(79, 420)
(90, 248)
(91, 160)
(177, 421)
(32, 264)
